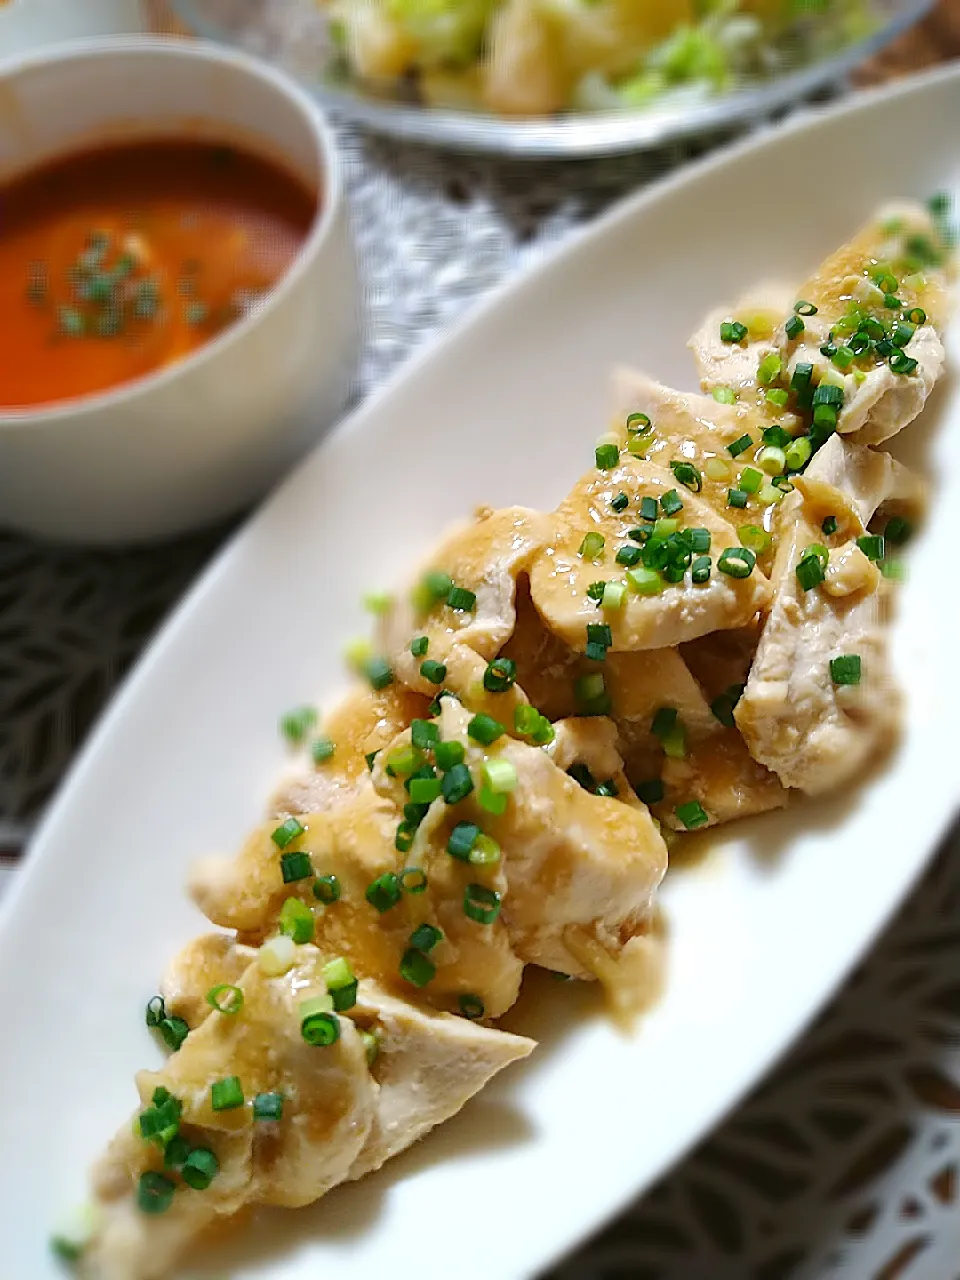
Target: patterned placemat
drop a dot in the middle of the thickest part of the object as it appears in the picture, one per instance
(844, 1164)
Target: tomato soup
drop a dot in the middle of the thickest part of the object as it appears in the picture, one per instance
(118, 261)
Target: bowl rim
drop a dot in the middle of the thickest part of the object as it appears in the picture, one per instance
(329, 202)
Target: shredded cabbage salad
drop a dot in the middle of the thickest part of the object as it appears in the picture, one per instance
(542, 57)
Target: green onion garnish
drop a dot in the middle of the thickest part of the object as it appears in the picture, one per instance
(798, 454)
(737, 562)
(424, 735)
(403, 838)
(154, 1193)
(499, 776)
(425, 937)
(481, 904)
(725, 395)
(413, 880)
(500, 675)
(370, 758)
(754, 538)
(903, 364)
(898, 530)
(649, 508)
(628, 555)
(917, 316)
(457, 784)
(287, 832)
(416, 968)
(448, 754)
(461, 599)
(321, 1029)
(638, 424)
(801, 384)
(200, 1168)
(750, 480)
(686, 474)
(692, 815)
(384, 892)
(326, 889)
(620, 502)
(296, 921)
(732, 331)
(645, 582)
(777, 396)
(794, 327)
(829, 526)
(296, 724)
(700, 570)
(471, 1007)
(737, 498)
(424, 790)
(435, 672)
(772, 459)
(156, 1011)
(812, 566)
(803, 308)
(462, 839)
(607, 456)
(174, 1031)
(650, 791)
(591, 548)
(226, 1094)
(295, 866)
(847, 669)
(226, 999)
(671, 503)
(321, 749)
(769, 369)
(485, 852)
(379, 673)
(739, 446)
(723, 705)
(872, 546)
(419, 646)
(492, 802)
(268, 1106)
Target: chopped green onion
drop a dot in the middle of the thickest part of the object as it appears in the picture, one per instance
(903, 364)
(737, 562)
(485, 852)
(424, 735)
(724, 395)
(846, 670)
(872, 546)
(425, 937)
(620, 502)
(499, 775)
(226, 999)
(686, 474)
(739, 446)
(732, 331)
(638, 423)
(296, 724)
(419, 646)
(320, 1029)
(664, 528)
(413, 880)
(436, 585)
(500, 675)
(370, 758)
(200, 1168)
(777, 396)
(664, 722)
(645, 582)
(627, 555)
(812, 566)
(471, 1007)
(599, 633)
(321, 749)
(798, 454)
(156, 1011)
(384, 892)
(287, 832)
(829, 526)
(226, 1094)
(403, 837)
(917, 316)
(803, 308)
(903, 331)
(723, 705)
(174, 1031)
(295, 866)
(769, 494)
(750, 480)
(457, 784)
(448, 754)
(379, 672)
(898, 530)
(435, 672)
(296, 921)
(268, 1106)
(649, 508)
(326, 889)
(481, 904)
(769, 369)
(717, 469)
(462, 839)
(371, 1046)
(692, 815)
(671, 503)
(801, 384)
(843, 358)
(794, 327)
(650, 791)
(737, 498)
(772, 460)
(424, 790)
(754, 538)
(416, 968)
(591, 548)
(341, 983)
(461, 599)
(492, 802)
(154, 1193)
(700, 570)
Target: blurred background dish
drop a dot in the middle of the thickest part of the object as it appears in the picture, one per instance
(556, 77)
(162, 376)
(26, 23)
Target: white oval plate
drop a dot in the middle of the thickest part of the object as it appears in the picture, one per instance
(505, 410)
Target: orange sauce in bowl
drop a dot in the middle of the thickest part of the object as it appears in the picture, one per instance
(119, 261)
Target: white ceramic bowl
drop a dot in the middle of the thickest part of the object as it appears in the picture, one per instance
(204, 437)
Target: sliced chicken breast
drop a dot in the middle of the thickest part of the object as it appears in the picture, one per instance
(811, 723)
